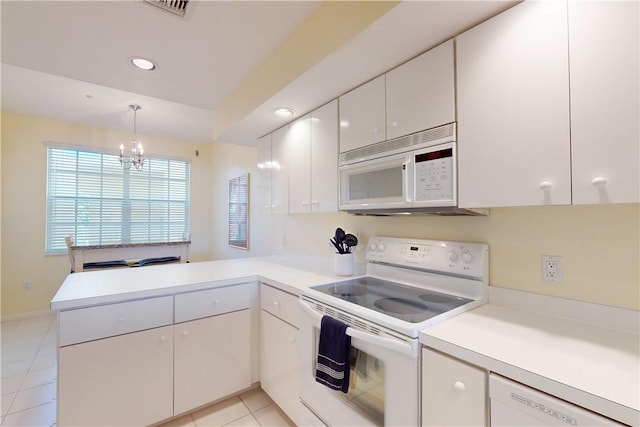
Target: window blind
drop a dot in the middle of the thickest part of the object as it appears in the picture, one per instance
(91, 198)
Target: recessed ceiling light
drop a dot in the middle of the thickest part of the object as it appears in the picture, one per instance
(284, 112)
(143, 64)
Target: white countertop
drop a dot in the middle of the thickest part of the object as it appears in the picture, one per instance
(116, 285)
(580, 360)
(592, 366)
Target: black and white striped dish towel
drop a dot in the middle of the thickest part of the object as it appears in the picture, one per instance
(334, 351)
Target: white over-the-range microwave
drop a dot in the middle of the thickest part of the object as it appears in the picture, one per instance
(413, 174)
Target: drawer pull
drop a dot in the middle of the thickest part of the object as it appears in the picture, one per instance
(546, 185)
(216, 302)
(163, 338)
(459, 386)
(122, 319)
(185, 333)
(599, 182)
(276, 303)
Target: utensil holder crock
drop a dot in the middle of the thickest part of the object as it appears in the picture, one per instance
(343, 264)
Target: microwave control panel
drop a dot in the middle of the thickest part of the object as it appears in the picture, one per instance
(434, 175)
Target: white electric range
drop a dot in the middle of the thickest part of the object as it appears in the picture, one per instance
(410, 284)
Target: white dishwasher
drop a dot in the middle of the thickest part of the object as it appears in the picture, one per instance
(516, 405)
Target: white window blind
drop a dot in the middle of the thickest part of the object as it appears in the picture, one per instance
(90, 197)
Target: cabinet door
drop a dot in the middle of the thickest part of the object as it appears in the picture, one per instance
(603, 47)
(420, 93)
(453, 393)
(263, 178)
(212, 359)
(298, 150)
(513, 108)
(279, 172)
(362, 115)
(324, 158)
(279, 362)
(121, 381)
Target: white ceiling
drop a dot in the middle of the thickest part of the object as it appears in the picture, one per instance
(69, 60)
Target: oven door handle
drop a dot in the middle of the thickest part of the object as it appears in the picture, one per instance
(409, 349)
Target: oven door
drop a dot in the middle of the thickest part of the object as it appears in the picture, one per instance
(383, 386)
(386, 182)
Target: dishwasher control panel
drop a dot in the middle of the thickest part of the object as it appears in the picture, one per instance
(515, 404)
(545, 409)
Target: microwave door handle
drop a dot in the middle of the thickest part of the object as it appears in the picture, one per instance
(405, 180)
(390, 344)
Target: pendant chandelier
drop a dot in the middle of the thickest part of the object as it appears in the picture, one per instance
(136, 158)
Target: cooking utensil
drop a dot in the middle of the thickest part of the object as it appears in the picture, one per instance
(350, 241)
(337, 246)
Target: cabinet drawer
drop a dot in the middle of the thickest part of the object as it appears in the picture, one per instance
(279, 303)
(87, 324)
(199, 304)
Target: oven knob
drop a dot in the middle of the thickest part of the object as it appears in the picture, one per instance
(373, 246)
(381, 247)
(467, 257)
(453, 256)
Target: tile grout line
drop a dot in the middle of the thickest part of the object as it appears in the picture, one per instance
(24, 377)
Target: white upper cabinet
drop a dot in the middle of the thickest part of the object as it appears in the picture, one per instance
(312, 155)
(420, 93)
(603, 52)
(299, 158)
(362, 115)
(513, 108)
(324, 158)
(279, 171)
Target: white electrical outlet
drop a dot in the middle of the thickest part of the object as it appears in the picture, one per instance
(552, 268)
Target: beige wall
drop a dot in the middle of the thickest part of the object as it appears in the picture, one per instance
(599, 245)
(228, 162)
(23, 202)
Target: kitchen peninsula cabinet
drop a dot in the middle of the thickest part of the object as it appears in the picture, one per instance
(453, 392)
(131, 363)
(420, 94)
(362, 115)
(116, 356)
(312, 148)
(124, 380)
(513, 108)
(604, 77)
(212, 341)
(279, 348)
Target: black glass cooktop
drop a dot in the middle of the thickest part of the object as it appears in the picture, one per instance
(403, 302)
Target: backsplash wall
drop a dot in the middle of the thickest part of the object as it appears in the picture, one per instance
(599, 245)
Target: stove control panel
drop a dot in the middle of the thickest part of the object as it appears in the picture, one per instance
(468, 259)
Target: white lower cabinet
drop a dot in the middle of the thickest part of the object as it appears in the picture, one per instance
(119, 366)
(279, 350)
(118, 381)
(453, 392)
(212, 359)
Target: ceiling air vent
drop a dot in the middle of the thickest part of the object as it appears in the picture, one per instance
(177, 7)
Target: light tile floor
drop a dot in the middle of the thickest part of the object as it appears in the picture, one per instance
(28, 385)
